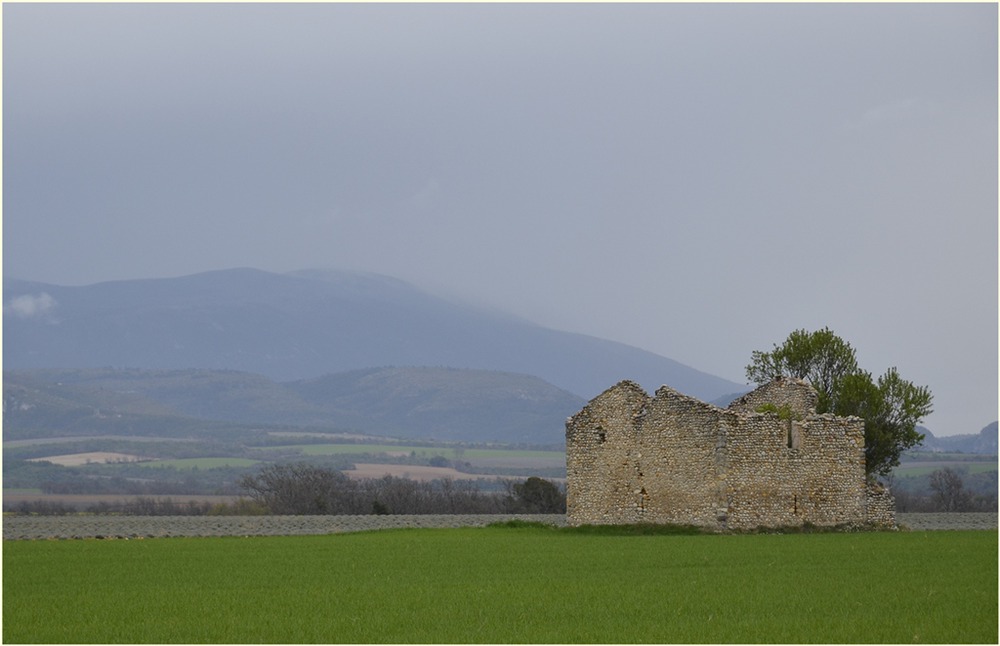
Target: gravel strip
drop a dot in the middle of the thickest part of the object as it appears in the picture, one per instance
(52, 527)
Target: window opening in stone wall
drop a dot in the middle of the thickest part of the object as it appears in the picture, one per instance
(601, 435)
(643, 499)
(792, 439)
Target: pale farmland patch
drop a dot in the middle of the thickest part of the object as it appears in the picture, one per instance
(557, 460)
(326, 436)
(92, 457)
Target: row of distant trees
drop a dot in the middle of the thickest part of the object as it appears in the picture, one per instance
(303, 488)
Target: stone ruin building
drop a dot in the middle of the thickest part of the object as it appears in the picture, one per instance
(768, 460)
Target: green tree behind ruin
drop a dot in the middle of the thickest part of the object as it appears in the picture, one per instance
(890, 405)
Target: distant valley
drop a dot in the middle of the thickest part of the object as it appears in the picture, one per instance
(182, 386)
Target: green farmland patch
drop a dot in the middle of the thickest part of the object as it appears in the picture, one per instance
(506, 585)
(939, 456)
(916, 469)
(22, 490)
(417, 451)
(201, 463)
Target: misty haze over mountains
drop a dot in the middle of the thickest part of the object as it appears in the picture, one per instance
(308, 324)
(336, 330)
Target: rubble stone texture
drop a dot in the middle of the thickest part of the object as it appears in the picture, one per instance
(768, 460)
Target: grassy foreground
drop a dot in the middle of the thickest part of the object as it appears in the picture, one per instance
(503, 585)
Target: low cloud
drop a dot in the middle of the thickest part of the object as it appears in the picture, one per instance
(30, 306)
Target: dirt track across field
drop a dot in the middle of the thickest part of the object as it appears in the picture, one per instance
(83, 526)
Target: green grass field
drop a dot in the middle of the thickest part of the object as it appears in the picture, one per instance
(504, 585)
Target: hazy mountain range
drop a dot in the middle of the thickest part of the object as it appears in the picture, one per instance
(312, 348)
(308, 324)
(985, 441)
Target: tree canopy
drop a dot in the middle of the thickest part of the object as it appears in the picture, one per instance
(890, 405)
(538, 496)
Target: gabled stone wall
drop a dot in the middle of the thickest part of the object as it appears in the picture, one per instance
(632, 458)
(797, 395)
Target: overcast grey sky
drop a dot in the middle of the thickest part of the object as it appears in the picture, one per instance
(696, 180)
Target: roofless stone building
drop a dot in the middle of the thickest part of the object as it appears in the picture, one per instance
(768, 460)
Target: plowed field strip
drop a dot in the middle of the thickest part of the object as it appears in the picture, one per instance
(47, 527)
(947, 521)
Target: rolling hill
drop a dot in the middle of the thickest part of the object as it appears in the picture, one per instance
(427, 403)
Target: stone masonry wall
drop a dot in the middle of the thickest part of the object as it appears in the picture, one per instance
(815, 477)
(603, 438)
(673, 459)
(677, 472)
(881, 510)
(798, 395)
